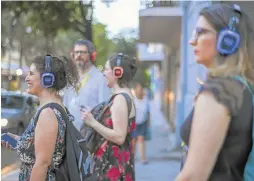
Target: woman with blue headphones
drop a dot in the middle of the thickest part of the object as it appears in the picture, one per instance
(42, 146)
(218, 134)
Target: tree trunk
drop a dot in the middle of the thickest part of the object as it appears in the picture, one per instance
(48, 45)
(10, 49)
(20, 59)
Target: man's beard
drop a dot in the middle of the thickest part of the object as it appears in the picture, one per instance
(83, 65)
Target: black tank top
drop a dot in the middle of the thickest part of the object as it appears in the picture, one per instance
(237, 146)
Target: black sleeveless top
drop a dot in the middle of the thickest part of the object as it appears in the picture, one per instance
(237, 146)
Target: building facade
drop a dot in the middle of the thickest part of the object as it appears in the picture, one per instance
(172, 24)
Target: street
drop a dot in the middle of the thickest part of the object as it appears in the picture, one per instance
(163, 165)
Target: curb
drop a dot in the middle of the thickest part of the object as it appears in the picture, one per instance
(9, 168)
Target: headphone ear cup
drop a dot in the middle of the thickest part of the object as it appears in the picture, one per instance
(48, 79)
(228, 42)
(93, 56)
(118, 72)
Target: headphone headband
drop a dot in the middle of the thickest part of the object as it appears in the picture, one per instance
(237, 9)
(119, 59)
(48, 63)
(234, 20)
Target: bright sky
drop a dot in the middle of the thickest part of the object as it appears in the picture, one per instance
(121, 14)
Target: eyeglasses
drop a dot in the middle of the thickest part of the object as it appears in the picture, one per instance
(198, 31)
(81, 52)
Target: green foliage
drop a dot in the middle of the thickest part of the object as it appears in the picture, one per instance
(50, 16)
(104, 46)
(54, 27)
(128, 46)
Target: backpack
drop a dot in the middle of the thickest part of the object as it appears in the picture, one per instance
(71, 168)
(248, 174)
(92, 138)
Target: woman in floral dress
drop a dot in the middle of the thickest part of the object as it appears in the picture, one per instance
(114, 159)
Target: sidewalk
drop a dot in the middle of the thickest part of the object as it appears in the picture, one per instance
(163, 165)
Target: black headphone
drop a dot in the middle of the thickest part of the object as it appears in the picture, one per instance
(118, 69)
(229, 39)
(47, 77)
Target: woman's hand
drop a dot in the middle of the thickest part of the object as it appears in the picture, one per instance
(14, 136)
(87, 117)
(6, 145)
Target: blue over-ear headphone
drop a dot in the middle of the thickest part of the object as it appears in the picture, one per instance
(47, 77)
(229, 39)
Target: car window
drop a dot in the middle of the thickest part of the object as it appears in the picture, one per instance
(12, 102)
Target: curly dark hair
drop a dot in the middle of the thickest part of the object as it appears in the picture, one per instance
(129, 69)
(60, 66)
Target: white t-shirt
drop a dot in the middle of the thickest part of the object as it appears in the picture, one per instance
(142, 107)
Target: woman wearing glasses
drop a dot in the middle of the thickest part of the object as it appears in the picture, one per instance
(218, 131)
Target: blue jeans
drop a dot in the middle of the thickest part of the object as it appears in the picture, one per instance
(89, 162)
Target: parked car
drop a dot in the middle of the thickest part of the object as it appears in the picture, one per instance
(17, 109)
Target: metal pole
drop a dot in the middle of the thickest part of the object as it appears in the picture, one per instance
(89, 19)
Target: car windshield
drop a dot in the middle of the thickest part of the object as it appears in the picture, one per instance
(11, 102)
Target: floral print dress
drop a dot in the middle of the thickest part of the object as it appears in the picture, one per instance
(113, 162)
(26, 150)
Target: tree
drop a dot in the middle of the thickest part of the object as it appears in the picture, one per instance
(128, 46)
(50, 16)
(104, 46)
(125, 45)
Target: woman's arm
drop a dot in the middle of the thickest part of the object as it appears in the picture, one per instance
(119, 114)
(45, 140)
(209, 128)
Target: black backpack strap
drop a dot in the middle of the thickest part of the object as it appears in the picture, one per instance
(39, 112)
(52, 105)
(72, 134)
(127, 98)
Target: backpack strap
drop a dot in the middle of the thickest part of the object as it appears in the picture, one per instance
(248, 174)
(127, 98)
(69, 127)
(52, 105)
(240, 79)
